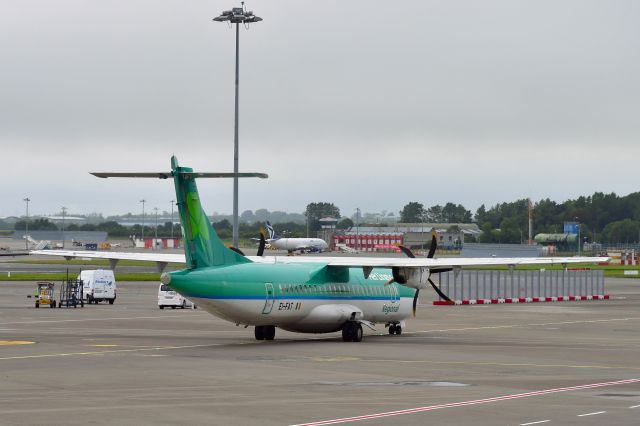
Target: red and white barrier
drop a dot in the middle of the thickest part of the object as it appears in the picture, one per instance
(519, 300)
(629, 258)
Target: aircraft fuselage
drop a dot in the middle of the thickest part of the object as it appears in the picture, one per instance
(311, 298)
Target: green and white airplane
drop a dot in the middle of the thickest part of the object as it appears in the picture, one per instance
(299, 294)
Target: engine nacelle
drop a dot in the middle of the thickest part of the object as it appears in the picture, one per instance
(417, 278)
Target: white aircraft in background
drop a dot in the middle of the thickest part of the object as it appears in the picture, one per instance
(295, 244)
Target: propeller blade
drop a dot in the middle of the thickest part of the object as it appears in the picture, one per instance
(440, 293)
(407, 251)
(262, 245)
(434, 244)
(237, 250)
(415, 301)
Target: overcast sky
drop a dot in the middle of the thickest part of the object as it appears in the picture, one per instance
(365, 104)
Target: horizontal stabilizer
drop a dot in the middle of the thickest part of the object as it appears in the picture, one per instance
(166, 175)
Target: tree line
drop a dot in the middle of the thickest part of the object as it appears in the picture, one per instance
(607, 218)
(602, 218)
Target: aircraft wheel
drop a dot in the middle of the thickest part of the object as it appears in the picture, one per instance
(357, 332)
(161, 306)
(398, 330)
(269, 332)
(37, 305)
(392, 329)
(259, 332)
(346, 332)
(111, 301)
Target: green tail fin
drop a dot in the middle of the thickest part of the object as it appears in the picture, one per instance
(202, 246)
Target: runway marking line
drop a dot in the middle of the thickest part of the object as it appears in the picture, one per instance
(591, 414)
(468, 403)
(534, 423)
(158, 348)
(497, 327)
(15, 342)
(52, 320)
(635, 406)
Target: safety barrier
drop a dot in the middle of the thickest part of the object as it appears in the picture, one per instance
(469, 287)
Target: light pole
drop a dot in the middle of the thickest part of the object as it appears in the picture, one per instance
(237, 15)
(172, 201)
(358, 229)
(26, 225)
(64, 211)
(155, 240)
(143, 201)
(579, 242)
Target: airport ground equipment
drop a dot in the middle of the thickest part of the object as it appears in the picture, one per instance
(71, 294)
(45, 294)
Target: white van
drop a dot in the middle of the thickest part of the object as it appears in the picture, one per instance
(168, 297)
(98, 285)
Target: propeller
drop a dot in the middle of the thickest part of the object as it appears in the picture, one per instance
(262, 244)
(432, 251)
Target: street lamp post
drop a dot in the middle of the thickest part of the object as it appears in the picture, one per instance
(64, 211)
(155, 240)
(172, 201)
(26, 225)
(358, 229)
(143, 201)
(237, 15)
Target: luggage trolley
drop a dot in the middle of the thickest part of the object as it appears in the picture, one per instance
(71, 294)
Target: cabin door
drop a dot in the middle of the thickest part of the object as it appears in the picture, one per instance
(269, 298)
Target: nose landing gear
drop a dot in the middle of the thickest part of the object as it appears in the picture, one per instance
(395, 329)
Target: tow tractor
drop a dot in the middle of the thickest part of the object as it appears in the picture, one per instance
(45, 294)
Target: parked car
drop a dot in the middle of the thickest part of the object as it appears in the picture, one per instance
(170, 298)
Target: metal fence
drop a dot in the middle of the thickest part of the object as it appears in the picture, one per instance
(500, 284)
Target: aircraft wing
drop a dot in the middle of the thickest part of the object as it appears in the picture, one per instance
(114, 255)
(446, 262)
(342, 261)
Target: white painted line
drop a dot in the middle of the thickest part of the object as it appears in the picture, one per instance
(591, 414)
(534, 423)
(468, 403)
(52, 321)
(158, 348)
(496, 327)
(635, 406)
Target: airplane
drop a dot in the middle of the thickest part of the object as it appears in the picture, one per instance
(294, 244)
(298, 294)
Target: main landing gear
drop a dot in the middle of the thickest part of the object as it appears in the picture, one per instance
(352, 332)
(265, 332)
(395, 329)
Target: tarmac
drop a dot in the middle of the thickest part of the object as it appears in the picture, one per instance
(574, 363)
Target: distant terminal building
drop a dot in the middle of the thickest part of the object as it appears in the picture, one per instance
(368, 241)
(413, 235)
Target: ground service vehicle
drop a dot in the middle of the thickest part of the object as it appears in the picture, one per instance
(170, 298)
(98, 285)
(45, 294)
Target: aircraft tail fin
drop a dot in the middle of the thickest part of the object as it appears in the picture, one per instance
(272, 232)
(202, 246)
